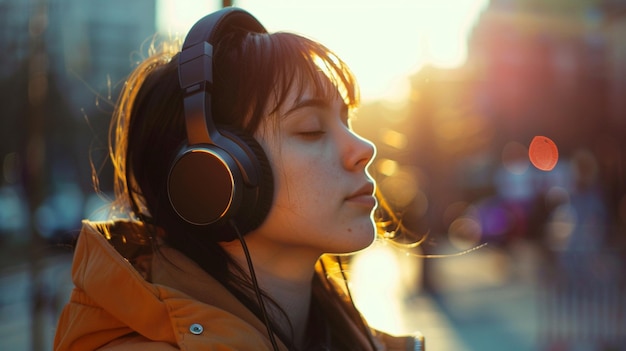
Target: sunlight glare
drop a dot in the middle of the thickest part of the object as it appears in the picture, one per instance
(175, 17)
(382, 41)
(384, 278)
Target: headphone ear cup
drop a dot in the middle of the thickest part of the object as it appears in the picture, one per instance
(203, 184)
(206, 185)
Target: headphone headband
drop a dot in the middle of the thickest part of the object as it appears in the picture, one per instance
(195, 67)
(197, 52)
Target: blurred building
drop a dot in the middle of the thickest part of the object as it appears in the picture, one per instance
(615, 28)
(455, 159)
(553, 68)
(89, 41)
(64, 62)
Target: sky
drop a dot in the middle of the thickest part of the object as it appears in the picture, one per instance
(383, 41)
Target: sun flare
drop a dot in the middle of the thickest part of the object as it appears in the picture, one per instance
(382, 41)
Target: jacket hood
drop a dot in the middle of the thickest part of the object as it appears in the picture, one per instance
(123, 290)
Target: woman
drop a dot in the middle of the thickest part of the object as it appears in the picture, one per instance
(240, 174)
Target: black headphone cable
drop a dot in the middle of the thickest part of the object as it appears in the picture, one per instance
(257, 290)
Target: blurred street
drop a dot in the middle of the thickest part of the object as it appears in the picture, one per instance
(487, 300)
(28, 311)
(496, 303)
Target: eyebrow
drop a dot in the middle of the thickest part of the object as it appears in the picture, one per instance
(315, 103)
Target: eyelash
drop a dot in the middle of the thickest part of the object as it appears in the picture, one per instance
(312, 134)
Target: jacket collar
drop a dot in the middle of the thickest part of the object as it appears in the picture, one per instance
(103, 269)
(173, 269)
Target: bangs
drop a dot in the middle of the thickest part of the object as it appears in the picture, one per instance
(256, 74)
(309, 67)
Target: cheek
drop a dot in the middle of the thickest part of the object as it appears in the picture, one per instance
(299, 204)
(301, 183)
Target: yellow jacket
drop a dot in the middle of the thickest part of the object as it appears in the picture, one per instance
(126, 298)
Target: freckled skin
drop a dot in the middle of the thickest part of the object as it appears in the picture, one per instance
(313, 178)
(318, 161)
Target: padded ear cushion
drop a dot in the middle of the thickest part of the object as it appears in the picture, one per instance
(257, 200)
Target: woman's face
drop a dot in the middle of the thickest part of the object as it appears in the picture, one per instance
(323, 198)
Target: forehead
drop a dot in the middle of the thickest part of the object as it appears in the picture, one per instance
(306, 91)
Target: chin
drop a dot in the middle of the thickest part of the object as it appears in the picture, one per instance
(360, 238)
(368, 240)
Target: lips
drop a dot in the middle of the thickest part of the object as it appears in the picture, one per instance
(366, 190)
(364, 196)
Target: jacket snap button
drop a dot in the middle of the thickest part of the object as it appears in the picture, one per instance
(196, 329)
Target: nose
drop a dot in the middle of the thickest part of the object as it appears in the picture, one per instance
(359, 152)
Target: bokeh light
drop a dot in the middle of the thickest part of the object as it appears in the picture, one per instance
(465, 233)
(401, 188)
(543, 153)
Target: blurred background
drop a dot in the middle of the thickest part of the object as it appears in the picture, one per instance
(454, 91)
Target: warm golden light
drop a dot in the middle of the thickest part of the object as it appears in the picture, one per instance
(394, 139)
(382, 41)
(400, 189)
(386, 167)
(383, 278)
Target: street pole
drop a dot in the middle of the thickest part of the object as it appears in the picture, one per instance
(33, 159)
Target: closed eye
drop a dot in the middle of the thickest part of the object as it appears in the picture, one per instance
(314, 134)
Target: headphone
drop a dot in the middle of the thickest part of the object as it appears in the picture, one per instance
(220, 174)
